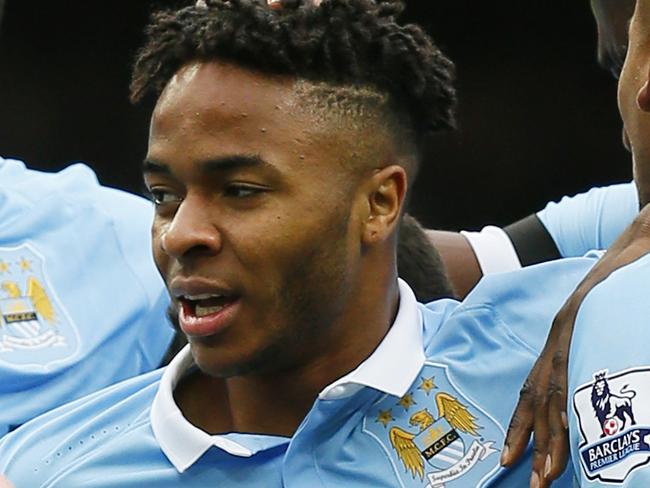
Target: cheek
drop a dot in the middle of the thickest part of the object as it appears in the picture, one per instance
(624, 92)
(160, 257)
(630, 83)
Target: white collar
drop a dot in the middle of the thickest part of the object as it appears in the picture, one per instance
(182, 442)
(391, 368)
(396, 362)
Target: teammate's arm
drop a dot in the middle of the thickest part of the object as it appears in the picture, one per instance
(459, 258)
(470, 255)
(569, 228)
(542, 404)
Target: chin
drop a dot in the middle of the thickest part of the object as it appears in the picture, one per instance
(216, 364)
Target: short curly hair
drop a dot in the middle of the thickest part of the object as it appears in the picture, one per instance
(344, 43)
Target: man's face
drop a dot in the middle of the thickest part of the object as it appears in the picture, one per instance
(612, 19)
(634, 76)
(252, 229)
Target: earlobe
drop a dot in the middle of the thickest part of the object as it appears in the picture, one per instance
(385, 201)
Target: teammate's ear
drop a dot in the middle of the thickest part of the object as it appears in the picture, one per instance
(387, 190)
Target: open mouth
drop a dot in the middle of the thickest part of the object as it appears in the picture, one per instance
(204, 305)
(203, 315)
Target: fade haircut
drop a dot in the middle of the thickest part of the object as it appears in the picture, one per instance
(352, 46)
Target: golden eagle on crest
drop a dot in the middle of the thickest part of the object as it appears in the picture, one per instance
(449, 408)
(36, 293)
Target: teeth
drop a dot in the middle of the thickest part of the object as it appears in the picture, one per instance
(204, 296)
(203, 311)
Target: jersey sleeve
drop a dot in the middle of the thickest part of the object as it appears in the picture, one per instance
(609, 382)
(590, 220)
(493, 249)
(528, 299)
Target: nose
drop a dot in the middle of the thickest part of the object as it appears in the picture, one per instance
(192, 231)
(643, 97)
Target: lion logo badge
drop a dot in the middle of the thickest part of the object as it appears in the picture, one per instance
(612, 410)
(35, 328)
(613, 426)
(435, 436)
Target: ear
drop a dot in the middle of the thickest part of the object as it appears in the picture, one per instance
(385, 199)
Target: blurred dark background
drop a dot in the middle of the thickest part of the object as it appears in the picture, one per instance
(538, 118)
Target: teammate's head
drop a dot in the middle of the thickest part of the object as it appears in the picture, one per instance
(280, 152)
(634, 97)
(419, 264)
(612, 19)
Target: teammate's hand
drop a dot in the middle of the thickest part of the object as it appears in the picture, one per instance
(5, 483)
(542, 406)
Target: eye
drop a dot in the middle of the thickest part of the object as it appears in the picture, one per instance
(160, 196)
(238, 190)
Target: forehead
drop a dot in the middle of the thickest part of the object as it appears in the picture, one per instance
(212, 107)
(220, 93)
(209, 109)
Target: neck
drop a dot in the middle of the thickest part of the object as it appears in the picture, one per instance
(276, 403)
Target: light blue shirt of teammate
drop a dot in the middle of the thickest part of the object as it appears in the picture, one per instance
(609, 382)
(427, 409)
(81, 304)
(590, 220)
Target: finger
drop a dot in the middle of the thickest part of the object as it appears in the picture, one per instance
(523, 418)
(558, 443)
(521, 424)
(540, 439)
(557, 411)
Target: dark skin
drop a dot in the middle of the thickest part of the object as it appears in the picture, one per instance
(543, 399)
(460, 261)
(612, 19)
(304, 245)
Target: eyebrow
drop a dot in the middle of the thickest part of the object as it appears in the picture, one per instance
(217, 165)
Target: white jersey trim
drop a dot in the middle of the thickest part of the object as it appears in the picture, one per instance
(183, 443)
(493, 249)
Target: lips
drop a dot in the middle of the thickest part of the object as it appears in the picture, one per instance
(205, 309)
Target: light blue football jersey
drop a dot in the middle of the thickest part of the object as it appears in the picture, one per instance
(590, 220)
(428, 408)
(81, 303)
(609, 382)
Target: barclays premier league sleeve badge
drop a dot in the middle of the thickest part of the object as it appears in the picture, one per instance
(35, 329)
(434, 436)
(613, 414)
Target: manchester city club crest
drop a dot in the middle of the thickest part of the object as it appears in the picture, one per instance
(436, 438)
(614, 423)
(35, 329)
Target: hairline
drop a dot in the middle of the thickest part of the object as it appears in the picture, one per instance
(362, 108)
(339, 107)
